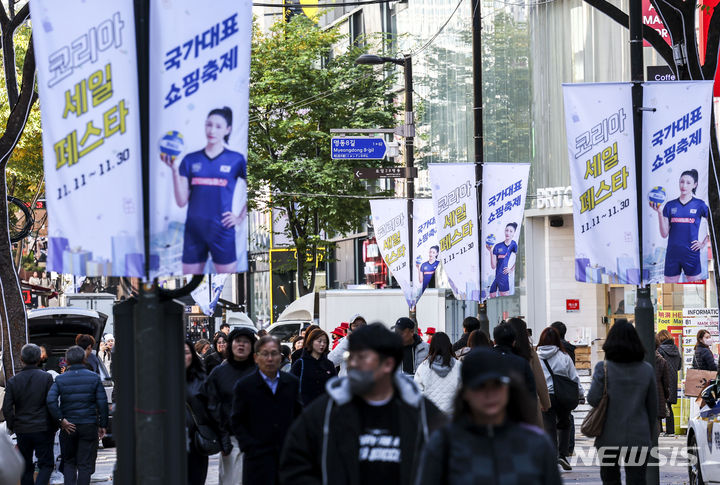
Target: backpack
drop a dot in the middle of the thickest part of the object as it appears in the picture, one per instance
(566, 392)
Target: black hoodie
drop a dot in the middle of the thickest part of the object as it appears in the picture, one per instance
(670, 353)
(220, 384)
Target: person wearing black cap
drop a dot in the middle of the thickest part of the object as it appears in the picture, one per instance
(369, 427)
(219, 388)
(492, 432)
(414, 349)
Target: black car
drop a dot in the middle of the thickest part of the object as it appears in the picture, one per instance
(55, 328)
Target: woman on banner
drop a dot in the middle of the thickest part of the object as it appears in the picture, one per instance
(500, 261)
(426, 270)
(680, 222)
(205, 181)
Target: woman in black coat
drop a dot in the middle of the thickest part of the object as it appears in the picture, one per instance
(671, 354)
(215, 358)
(313, 368)
(704, 359)
(195, 413)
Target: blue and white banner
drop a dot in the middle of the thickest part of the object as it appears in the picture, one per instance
(207, 294)
(503, 208)
(601, 149)
(199, 88)
(676, 144)
(390, 221)
(454, 198)
(87, 80)
(426, 248)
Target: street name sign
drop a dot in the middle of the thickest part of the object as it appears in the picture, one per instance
(357, 148)
(386, 172)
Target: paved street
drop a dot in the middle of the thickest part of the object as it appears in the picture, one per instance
(590, 475)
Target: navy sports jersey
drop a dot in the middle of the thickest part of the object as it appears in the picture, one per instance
(685, 222)
(503, 252)
(212, 186)
(428, 270)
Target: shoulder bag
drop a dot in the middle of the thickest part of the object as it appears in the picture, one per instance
(566, 392)
(593, 424)
(206, 440)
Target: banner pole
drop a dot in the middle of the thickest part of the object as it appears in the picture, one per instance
(410, 163)
(476, 7)
(644, 322)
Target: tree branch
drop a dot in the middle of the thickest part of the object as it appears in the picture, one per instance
(649, 34)
(8, 50)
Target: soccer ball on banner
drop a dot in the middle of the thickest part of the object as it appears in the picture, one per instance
(172, 143)
(657, 196)
(490, 240)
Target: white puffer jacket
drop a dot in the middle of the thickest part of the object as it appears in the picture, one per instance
(439, 383)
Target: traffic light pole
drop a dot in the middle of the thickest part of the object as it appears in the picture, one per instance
(644, 321)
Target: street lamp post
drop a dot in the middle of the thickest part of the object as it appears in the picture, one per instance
(409, 135)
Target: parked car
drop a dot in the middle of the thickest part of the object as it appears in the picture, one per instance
(703, 438)
(55, 328)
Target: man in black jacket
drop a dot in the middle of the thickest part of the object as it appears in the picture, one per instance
(504, 337)
(27, 415)
(469, 324)
(87, 343)
(219, 388)
(265, 403)
(369, 427)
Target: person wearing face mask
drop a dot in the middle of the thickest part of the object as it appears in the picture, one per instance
(265, 403)
(492, 431)
(370, 426)
(219, 388)
(704, 359)
(313, 368)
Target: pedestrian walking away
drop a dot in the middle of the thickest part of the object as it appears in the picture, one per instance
(492, 438)
(671, 354)
(414, 349)
(469, 325)
(703, 358)
(522, 348)
(632, 404)
(662, 385)
(438, 377)
(337, 355)
(26, 413)
(370, 426)
(313, 369)
(219, 389)
(77, 401)
(265, 403)
(197, 419)
(504, 337)
(566, 434)
(557, 365)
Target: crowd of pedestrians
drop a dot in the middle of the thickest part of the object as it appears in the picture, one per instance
(384, 406)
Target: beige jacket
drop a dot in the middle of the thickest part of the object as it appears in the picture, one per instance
(540, 384)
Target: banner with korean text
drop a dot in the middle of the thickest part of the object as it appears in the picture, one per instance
(425, 245)
(389, 218)
(87, 80)
(676, 145)
(454, 198)
(599, 127)
(503, 208)
(199, 88)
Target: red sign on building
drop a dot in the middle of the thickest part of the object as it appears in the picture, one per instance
(572, 305)
(653, 20)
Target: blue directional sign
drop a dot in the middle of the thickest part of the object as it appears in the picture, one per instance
(357, 148)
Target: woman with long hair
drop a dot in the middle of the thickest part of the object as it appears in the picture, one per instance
(438, 376)
(217, 355)
(679, 221)
(632, 404)
(557, 362)
(523, 349)
(492, 422)
(669, 351)
(195, 414)
(205, 181)
(477, 338)
(313, 368)
(704, 358)
(297, 345)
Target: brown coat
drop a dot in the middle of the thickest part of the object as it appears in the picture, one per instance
(540, 385)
